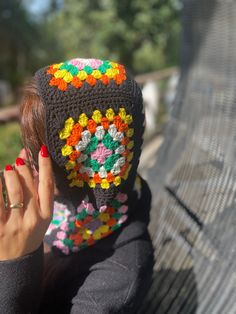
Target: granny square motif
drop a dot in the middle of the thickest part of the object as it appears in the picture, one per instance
(77, 71)
(99, 148)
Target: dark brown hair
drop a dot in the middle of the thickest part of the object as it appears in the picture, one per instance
(32, 123)
(32, 118)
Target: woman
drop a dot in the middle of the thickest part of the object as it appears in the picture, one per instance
(93, 220)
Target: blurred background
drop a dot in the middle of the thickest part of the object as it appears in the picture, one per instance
(143, 35)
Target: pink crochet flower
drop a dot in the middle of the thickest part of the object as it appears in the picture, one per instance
(101, 153)
(61, 235)
(123, 209)
(122, 219)
(121, 197)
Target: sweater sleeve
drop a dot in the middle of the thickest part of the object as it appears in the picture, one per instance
(20, 283)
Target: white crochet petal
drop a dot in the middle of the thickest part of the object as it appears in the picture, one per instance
(120, 149)
(119, 136)
(115, 170)
(82, 157)
(120, 162)
(100, 132)
(81, 146)
(102, 172)
(112, 130)
(86, 136)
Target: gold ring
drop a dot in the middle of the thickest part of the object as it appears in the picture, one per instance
(17, 205)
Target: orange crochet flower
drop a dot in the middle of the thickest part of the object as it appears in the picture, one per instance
(117, 121)
(97, 178)
(105, 123)
(119, 79)
(125, 141)
(123, 169)
(123, 127)
(125, 153)
(62, 85)
(105, 79)
(91, 126)
(110, 210)
(54, 82)
(72, 140)
(51, 70)
(74, 155)
(110, 177)
(90, 241)
(111, 222)
(91, 80)
(77, 129)
(76, 82)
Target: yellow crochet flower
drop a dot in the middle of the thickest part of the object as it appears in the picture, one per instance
(63, 134)
(83, 119)
(130, 133)
(66, 150)
(122, 113)
(82, 75)
(69, 123)
(86, 234)
(105, 184)
(104, 228)
(91, 183)
(130, 145)
(127, 173)
(60, 73)
(117, 181)
(70, 165)
(78, 183)
(96, 235)
(57, 66)
(110, 114)
(114, 64)
(104, 217)
(96, 74)
(68, 77)
(130, 156)
(72, 175)
(128, 119)
(97, 116)
(111, 73)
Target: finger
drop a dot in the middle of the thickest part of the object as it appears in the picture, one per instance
(23, 154)
(46, 183)
(2, 205)
(27, 183)
(14, 191)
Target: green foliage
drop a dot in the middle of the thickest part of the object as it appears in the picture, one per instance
(10, 143)
(141, 34)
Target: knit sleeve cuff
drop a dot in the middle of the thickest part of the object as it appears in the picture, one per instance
(20, 285)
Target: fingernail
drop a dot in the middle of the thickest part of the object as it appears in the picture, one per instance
(8, 167)
(19, 161)
(44, 151)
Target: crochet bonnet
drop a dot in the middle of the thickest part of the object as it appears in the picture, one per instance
(94, 126)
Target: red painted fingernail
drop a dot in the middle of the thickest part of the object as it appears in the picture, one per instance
(8, 167)
(20, 161)
(44, 151)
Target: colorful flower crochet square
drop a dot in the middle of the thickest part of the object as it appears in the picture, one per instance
(87, 225)
(77, 71)
(99, 148)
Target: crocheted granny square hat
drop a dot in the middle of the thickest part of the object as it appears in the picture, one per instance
(94, 127)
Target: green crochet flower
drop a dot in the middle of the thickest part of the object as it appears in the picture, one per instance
(109, 142)
(92, 145)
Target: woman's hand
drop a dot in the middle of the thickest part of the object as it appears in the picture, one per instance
(22, 230)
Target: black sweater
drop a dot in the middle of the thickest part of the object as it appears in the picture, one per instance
(110, 277)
